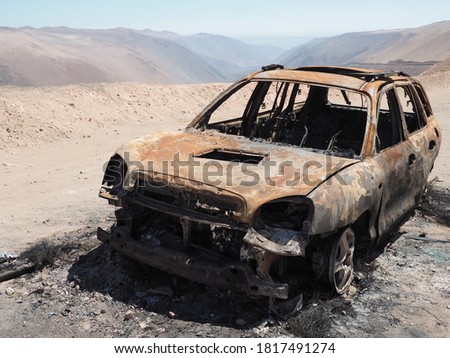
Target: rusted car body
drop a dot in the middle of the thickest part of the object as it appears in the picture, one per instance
(286, 167)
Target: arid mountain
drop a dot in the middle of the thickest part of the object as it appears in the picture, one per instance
(58, 56)
(407, 49)
(61, 55)
(223, 48)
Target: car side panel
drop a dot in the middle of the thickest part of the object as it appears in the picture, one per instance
(398, 184)
(345, 197)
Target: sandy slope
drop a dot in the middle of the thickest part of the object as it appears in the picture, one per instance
(438, 89)
(439, 68)
(54, 141)
(37, 116)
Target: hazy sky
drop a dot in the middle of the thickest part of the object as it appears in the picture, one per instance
(236, 18)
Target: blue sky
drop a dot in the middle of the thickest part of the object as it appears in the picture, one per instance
(238, 18)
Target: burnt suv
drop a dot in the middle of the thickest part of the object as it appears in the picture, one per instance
(286, 169)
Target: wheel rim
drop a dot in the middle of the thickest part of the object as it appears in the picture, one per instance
(341, 261)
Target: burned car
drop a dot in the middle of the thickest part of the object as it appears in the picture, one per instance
(287, 170)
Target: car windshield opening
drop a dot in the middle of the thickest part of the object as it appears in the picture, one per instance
(314, 117)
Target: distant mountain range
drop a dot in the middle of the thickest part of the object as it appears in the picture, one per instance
(60, 55)
(410, 50)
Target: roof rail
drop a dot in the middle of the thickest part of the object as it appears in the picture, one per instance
(364, 75)
(273, 66)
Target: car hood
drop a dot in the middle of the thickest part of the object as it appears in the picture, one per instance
(257, 171)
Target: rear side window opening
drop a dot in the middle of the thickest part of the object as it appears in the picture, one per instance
(411, 107)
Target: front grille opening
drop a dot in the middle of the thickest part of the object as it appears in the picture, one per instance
(219, 242)
(154, 228)
(204, 201)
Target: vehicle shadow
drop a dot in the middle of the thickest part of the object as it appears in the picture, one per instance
(125, 280)
(104, 271)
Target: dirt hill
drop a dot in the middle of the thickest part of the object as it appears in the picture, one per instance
(441, 67)
(419, 47)
(39, 116)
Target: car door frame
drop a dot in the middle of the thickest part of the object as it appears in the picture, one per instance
(393, 167)
(425, 143)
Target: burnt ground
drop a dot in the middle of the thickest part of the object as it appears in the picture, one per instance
(78, 287)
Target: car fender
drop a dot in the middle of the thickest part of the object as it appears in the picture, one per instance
(345, 197)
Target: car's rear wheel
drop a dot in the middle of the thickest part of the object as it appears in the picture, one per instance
(340, 261)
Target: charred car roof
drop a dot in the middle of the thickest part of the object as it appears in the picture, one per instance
(346, 77)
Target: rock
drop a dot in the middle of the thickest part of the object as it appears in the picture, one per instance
(36, 279)
(10, 291)
(143, 325)
(171, 314)
(128, 315)
(360, 276)
(288, 307)
(352, 290)
(264, 325)
(86, 326)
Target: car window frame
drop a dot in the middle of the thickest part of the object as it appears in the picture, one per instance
(423, 100)
(417, 104)
(396, 113)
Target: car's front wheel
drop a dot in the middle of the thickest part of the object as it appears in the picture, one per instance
(340, 261)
